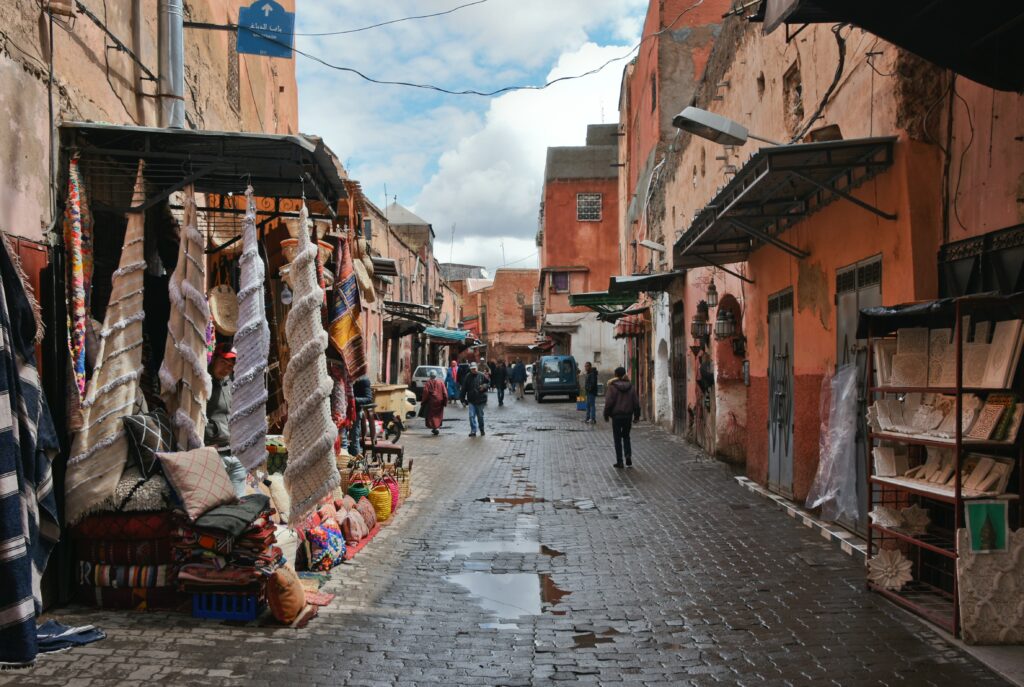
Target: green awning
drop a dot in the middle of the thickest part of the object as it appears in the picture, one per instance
(447, 334)
(601, 298)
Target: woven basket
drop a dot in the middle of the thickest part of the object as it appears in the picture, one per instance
(404, 485)
(358, 490)
(392, 485)
(380, 499)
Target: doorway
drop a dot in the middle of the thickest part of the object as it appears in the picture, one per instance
(857, 286)
(780, 393)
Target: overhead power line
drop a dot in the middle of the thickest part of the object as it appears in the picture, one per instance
(470, 91)
(393, 21)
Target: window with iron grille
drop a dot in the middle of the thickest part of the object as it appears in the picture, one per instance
(588, 207)
(367, 230)
(529, 318)
(560, 281)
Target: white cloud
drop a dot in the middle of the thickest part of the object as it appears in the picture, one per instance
(490, 184)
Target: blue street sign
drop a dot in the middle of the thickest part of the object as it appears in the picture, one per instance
(266, 18)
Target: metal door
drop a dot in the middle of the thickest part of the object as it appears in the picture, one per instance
(679, 353)
(857, 286)
(780, 393)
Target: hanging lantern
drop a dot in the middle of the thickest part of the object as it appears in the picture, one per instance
(700, 328)
(725, 324)
(712, 295)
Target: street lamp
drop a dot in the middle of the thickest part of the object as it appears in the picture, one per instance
(715, 127)
(712, 295)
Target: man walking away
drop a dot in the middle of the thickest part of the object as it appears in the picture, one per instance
(474, 392)
(499, 380)
(520, 379)
(622, 407)
(590, 389)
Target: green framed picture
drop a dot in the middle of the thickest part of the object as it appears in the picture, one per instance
(988, 525)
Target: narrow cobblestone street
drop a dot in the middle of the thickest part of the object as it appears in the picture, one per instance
(669, 573)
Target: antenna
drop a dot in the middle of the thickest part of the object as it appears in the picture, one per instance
(451, 248)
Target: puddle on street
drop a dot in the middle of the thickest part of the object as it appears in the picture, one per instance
(509, 595)
(589, 640)
(465, 548)
(498, 626)
(512, 500)
(548, 551)
(550, 592)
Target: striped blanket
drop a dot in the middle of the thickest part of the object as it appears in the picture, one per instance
(28, 442)
(122, 576)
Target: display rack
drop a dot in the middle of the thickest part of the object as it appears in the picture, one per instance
(932, 593)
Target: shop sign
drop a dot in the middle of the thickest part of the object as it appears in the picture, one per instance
(265, 28)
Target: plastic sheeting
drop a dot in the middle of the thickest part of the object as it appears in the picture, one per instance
(834, 489)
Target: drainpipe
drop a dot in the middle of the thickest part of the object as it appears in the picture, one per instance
(170, 27)
(140, 97)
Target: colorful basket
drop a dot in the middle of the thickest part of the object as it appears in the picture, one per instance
(380, 499)
(358, 490)
(392, 484)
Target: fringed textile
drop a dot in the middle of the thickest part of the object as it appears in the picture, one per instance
(99, 450)
(28, 443)
(248, 419)
(78, 245)
(184, 377)
(309, 432)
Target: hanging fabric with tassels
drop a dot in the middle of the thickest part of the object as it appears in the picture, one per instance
(99, 449)
(184, 377)
(312, 472)
(248, 419)
(346, 333)
(78, 244)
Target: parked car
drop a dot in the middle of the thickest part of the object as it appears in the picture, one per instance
(556, 375)
(422, 374)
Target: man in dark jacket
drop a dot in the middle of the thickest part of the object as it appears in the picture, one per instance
(474, 392)
(517, 376)
(362, 392)
(499, 380)
(622, 407)
(590, 389)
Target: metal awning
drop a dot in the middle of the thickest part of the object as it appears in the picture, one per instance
(981, 40)
(638, 283)
(778, 187)
(459, 335)
(604, 303)
(613, 317)
(219, 162)
(410, 310)
(562, 322)
(630, 327)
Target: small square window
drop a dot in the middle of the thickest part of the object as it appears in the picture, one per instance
(560, 281)
(367, 230)
(588, 207)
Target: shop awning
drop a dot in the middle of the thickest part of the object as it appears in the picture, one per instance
(601, 298)
(982, 40)
(643, 283)
(447, 334)
(413, 311)
(778, 187)
(630, 326)
(220, 162)
(562, 323)
(613, 317)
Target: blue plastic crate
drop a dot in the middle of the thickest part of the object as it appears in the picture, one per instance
(220, 606)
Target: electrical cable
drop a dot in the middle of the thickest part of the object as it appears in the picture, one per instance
(106, 71)
(486, 94)
(841, 46)
(963, 156)
(252, 92)
(392, 21)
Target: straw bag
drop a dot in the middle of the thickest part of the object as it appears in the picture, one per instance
(392, 485)
(380, 499)
(224, 301)
(364, 282)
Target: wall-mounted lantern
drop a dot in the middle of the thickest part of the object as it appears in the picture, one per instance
(700, 328)
(712, 295)
(725, 324)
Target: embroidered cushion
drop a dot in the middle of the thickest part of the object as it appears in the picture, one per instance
(326, 546)
(149, 434)
(285, 595)
(365, 509)
(199, 478)
(354, 527)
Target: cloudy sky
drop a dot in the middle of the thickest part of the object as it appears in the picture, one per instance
(469, 161)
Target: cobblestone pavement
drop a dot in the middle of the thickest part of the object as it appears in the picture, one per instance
(670, 573)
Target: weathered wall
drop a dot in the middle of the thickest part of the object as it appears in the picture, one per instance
(93, 82)
(506, 300)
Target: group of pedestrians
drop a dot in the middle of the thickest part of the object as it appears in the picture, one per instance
(471, 384)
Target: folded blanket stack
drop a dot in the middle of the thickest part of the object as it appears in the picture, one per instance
(229, 550)
(125, 561)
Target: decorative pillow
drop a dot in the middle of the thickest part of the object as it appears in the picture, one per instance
(326, 547)
(365, 509)
(354, 527)
(285, 595)
(199, 478)
(135, 493)
(149, 434)
(346, 504)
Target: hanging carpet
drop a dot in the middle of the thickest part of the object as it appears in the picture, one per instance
(28, 443)
(99, 450)
(346, 334)
(312, 472)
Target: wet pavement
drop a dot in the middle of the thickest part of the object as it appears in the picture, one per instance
(525, 558)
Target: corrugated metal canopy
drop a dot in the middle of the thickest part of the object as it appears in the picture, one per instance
(778, 187)
(649, 283)
(459, 335)
(219, 162)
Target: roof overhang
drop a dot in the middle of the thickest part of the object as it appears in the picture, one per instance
(643, 283)
(608, 306)
(778, 187)
(219, 162)
(568, 268)
(445, 334)
(981, 40)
